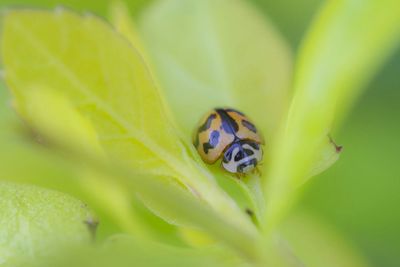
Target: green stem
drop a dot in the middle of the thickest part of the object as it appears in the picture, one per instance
(251, 186)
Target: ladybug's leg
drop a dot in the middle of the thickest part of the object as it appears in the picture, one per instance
(240, 175)
(221, 166)
(257, 171)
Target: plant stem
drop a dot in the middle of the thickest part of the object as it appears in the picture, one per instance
(251, 186)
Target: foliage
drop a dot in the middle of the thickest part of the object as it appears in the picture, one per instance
(118, 105)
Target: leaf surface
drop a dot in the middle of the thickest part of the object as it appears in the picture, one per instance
(80, 83)
(343, 49)
(36, 222)
(218, 53)
(124, 250)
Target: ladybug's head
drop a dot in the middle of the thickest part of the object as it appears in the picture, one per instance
(242, 156)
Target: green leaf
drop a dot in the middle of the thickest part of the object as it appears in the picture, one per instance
(346, 44)
(174, 202)
(79, 133)
(227, 55)
(92, 186)
(104, 195)
(36, 222)
(97, 76)
(124, 24)
(79, 83)
(328, 155)
(124, 250)
(218, 53)
(23, 162)
(9, 122)
(172, 256)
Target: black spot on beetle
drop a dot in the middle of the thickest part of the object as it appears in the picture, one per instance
(249, 126)
(207, 146)
(228, 152)
(248, 152)
(243, 165)
(227, 156)
(228, 124)
(243, 153)
(212, 142)
(252, 144)
(206, 125)
(240, 155)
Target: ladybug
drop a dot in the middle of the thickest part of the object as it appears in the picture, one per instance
(229, 133)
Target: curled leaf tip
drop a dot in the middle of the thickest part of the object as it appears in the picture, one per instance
(338, 148)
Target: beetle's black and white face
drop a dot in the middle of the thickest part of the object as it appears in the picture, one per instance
(242, 156)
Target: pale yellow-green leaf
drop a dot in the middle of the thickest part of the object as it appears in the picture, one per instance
(8, 120)
(36, 222)
(170, 255)
(64, 124)
(115, 201)
(158, 208)
(218, 53)
(227, 55)
(125, 25)
(346, 44)
(70, 128)
(328, 155)
(24, 162)
(196, 238)
(123, 22)
(125, 251)
(176, 203)
(171, 203)
(96, 76)
(86, 61)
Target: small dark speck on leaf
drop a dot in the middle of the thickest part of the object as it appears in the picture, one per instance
(249, 212)
(92, 224)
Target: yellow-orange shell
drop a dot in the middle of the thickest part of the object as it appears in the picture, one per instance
(219, 128)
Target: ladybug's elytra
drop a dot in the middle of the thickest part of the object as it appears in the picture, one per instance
(228, 132)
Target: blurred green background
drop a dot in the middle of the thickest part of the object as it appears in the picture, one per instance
(360, 194)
